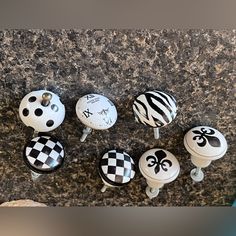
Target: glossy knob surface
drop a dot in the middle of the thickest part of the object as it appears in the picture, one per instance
(116, 168)
(205, 143)
(96, 111)
(155, 108)
(159, 166)
(44, 154)
(41, 118)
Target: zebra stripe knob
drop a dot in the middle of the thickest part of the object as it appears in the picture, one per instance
(155, 109)
(204, 144)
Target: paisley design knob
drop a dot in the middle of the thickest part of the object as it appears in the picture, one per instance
(158, 167)
(204, 144)
(95, 112)
(155, 109)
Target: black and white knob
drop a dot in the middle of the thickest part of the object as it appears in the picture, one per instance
(42, 110)
(97, 112)
(155, 109)
(43, 155)
(204, 144)
(158, 167)
(116, 169)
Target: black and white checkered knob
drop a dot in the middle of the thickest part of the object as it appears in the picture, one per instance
(44, 154)
(116, 169)
(155, 109)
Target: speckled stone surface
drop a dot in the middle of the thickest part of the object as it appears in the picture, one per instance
(196, 66)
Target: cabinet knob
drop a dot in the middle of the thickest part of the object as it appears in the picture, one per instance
(155, 109)
(204, 144)
(96, 112)
(43, 155)
(116, 169)
(158, 167)
(42, 110)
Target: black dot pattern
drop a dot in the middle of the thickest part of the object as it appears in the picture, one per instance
(38, 112)
(25, 112)
(50, 123)
(32, 99)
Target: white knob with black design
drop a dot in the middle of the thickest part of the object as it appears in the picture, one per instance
(97, 112)
(155, 109)
(43, 155)
(42, 110)
(204, 144)
(116, 169)
(158, 167)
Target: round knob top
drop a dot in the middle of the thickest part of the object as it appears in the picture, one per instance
(155, 108)
(116, 168)
(159, 165)
(205, 142)
(96, 111)
(44, 154)
(42, 110)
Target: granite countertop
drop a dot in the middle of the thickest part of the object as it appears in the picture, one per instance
(196, 66)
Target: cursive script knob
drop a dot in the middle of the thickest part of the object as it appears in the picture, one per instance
(95, 112)
(158, 167)
(204, 144)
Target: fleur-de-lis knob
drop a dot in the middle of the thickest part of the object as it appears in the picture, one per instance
(204, 144)
(159, 167)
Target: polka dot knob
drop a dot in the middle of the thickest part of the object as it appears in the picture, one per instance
(42, 110)
(155, 109)
(97, 112)
(116, 169)
(158, 166)
(43, 155)
(204, 144)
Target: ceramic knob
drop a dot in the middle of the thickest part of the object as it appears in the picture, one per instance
(116, 169)
(95, 112)
(158, 167)
(155, 109)
(204, 144)
(42, 110)
(43, 155)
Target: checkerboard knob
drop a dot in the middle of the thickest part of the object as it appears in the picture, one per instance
(42, 110)
(43, 155)
(116, 169)
(95, 112)
(204, 144)
(155, 109)
(158, 167)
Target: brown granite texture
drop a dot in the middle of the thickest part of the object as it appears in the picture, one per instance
(196, 66)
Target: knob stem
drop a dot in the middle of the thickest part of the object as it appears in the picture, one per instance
(104, 188)
(35, 176)
(196, 174)
(156, 133)
(46, 99)
(86, 132)
(152, 192)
